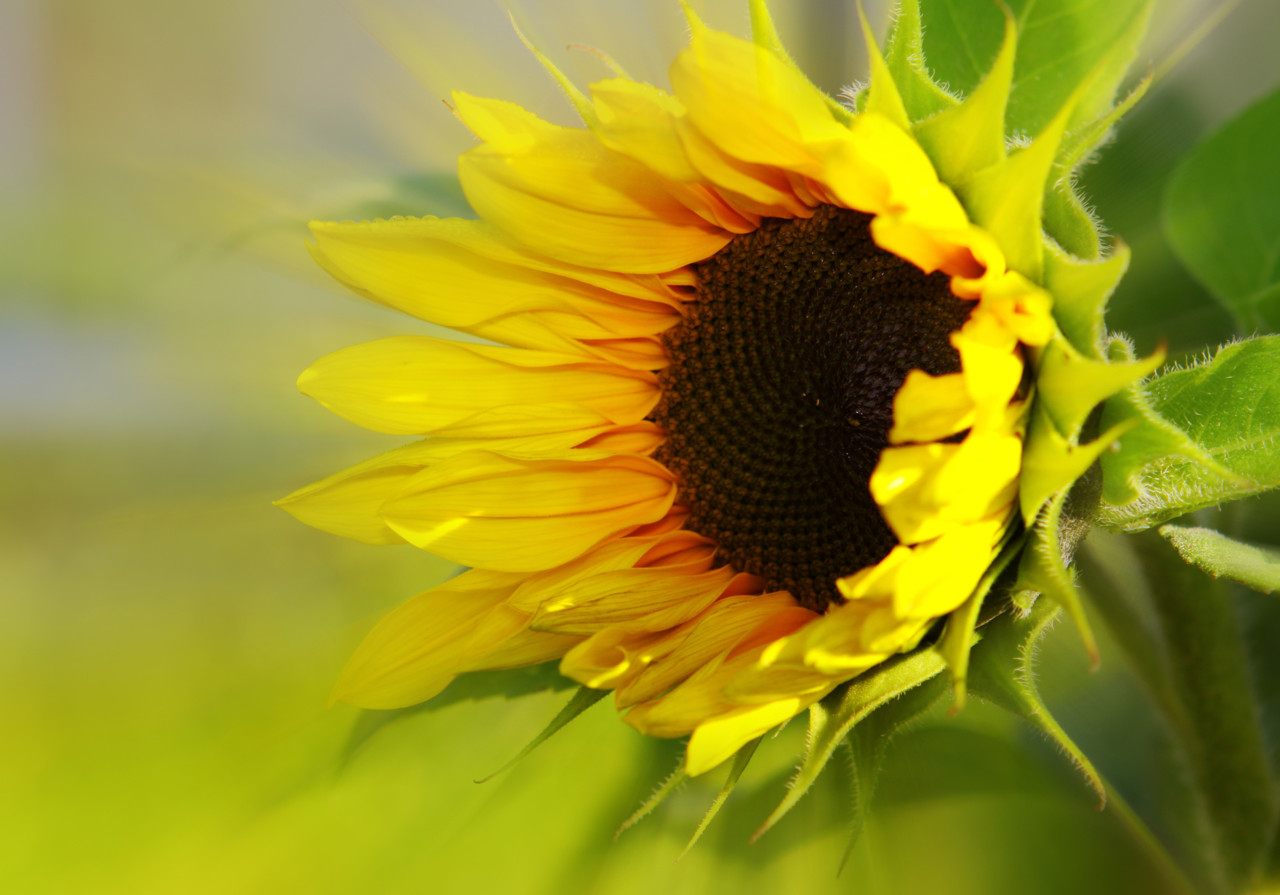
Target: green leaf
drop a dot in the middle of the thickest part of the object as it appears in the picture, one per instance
(1222, 214)
(1059, 45)
(1221, 557)
(1002, 672)
(831, 719)
(1208, 434)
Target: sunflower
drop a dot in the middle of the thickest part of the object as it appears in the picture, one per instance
(765, 387)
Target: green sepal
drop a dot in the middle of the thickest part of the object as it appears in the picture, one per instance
(831, 718)
(656, 798)
(583, 699)
(1051, 462)
(580, 101)
(868, 743)
(1002, 672)
(1043, 570)
(1007, 198)
(904, 54)
(1071, 385)
(967, 138)
(1080, 292)
(764, 34)
(1223, 557)
(1204, 436)
(1066, 217)
(961, 634)
(881, 95)
(741, 759)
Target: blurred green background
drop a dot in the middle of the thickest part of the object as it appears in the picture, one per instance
(169, 638)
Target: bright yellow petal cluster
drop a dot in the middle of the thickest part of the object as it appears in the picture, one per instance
(538, 471)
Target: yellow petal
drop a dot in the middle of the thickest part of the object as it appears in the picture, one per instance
(752, 104)
(421, 645)
(931, 579)
(560, 192)
(347, 503)
(928, 490)
(420, 385)
(718, 630)
(489, 511)
(651, 599)
(929, 408)
(419, 267)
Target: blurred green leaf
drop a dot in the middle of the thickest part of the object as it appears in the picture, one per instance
(1060, 44)
(1223, 557)
(1222, 214)
(508, 684)
(1218, 726)
(1208, 435)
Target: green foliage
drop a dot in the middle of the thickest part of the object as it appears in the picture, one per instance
(1181, 634)
(1222, 214)
(508, 684)
(1060, 46)
(1208, 435)
(1222, 557)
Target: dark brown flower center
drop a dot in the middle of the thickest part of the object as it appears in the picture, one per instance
(779, 397)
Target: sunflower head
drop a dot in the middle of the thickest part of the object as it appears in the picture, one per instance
(773, 400)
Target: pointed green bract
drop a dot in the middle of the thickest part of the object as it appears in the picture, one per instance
(1222, 214)
(1206, 434)
(765, 35)
(1060, 45)
(582, 700)
(967, 138)
(1080, 291)
(904, 54)
(740, 761)
(1222, 557)
(1044, 570)
(580, 101)
(1071, 385)
(659, 795)
(1066, 217)
(1003, 673)
(831, 719)
(1052, 462)
(868, 744)
(960, 635)
(881, 96)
